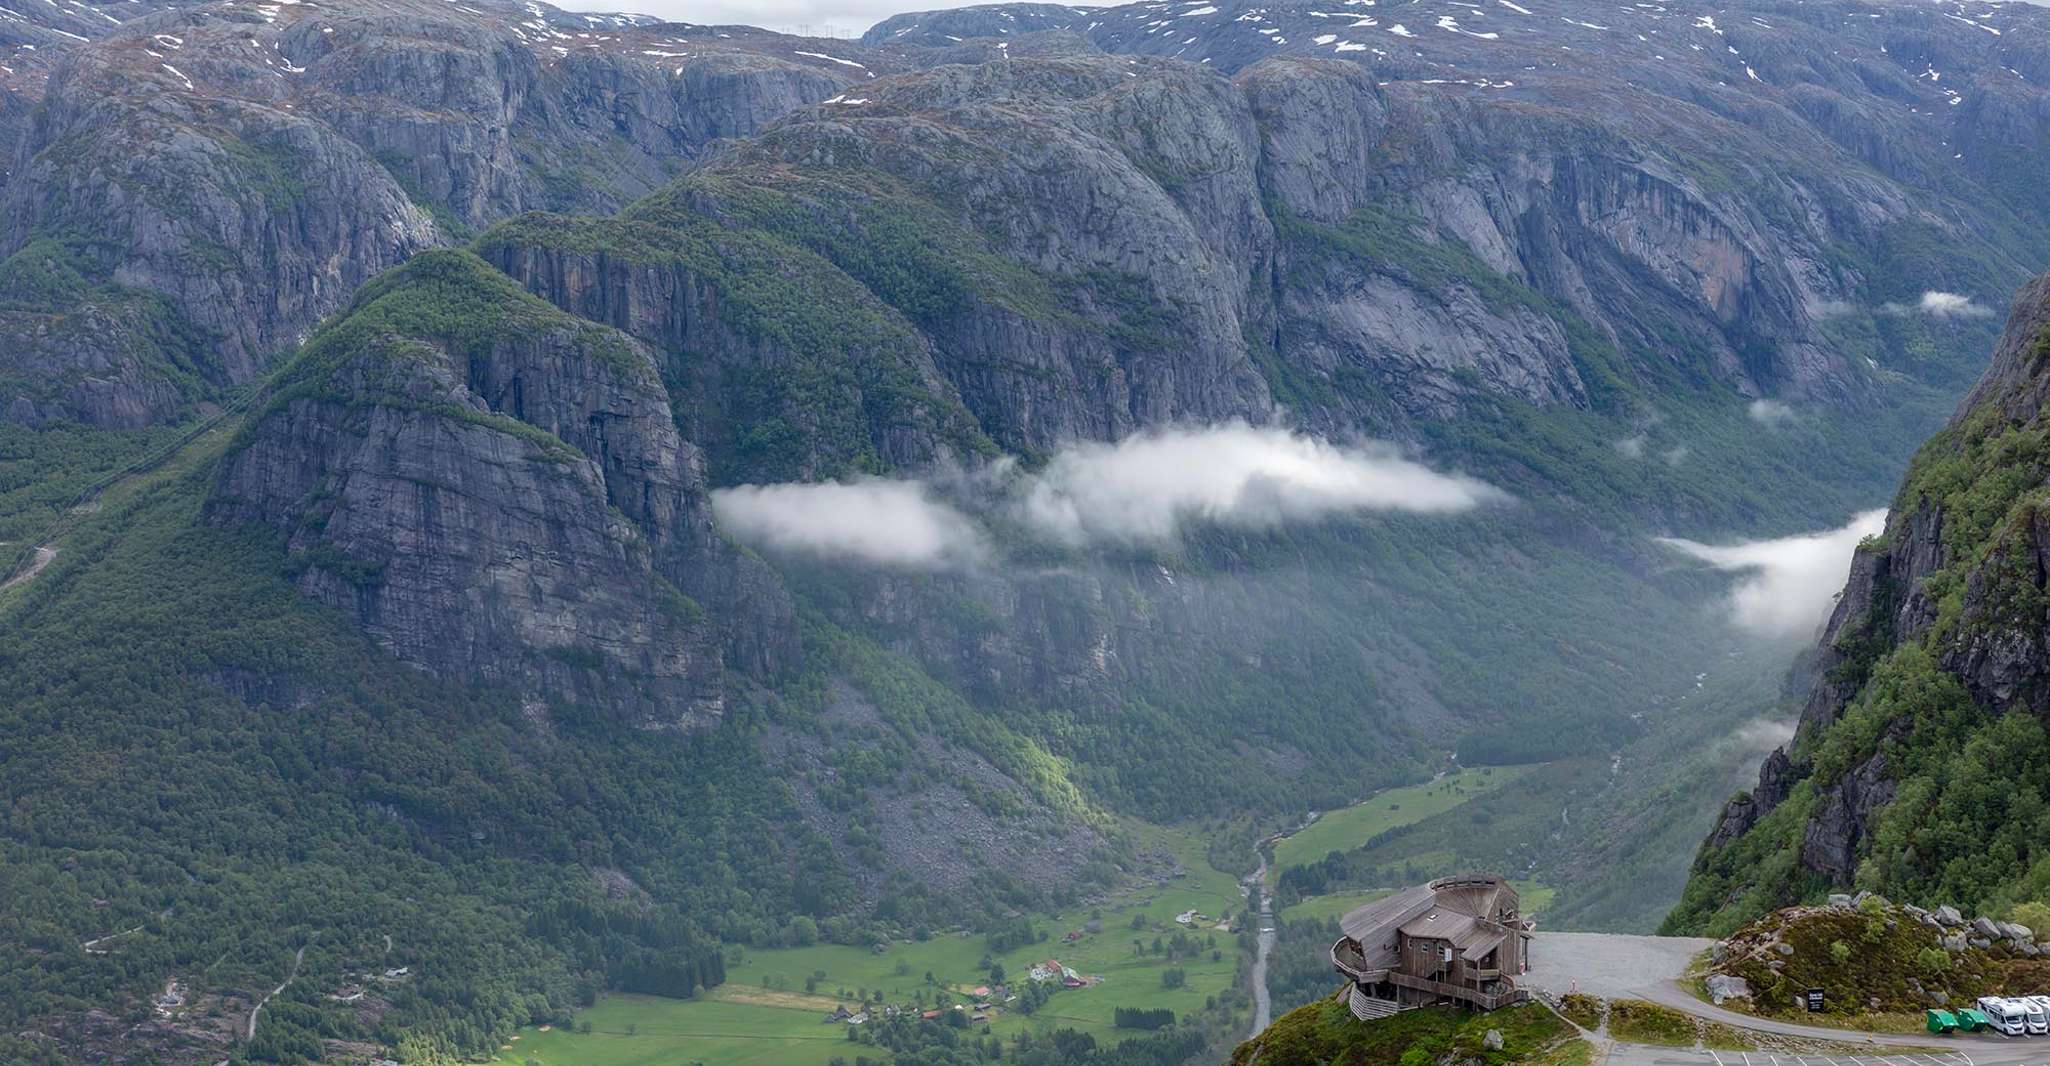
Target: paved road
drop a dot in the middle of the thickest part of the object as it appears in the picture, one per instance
(1617, 966)
(1263, 1007)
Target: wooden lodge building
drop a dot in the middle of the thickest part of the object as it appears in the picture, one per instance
(1456, 940)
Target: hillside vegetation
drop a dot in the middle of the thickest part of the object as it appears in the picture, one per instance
(1921, 760)
(1325, 1033)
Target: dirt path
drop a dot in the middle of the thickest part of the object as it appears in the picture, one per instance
(297, 958)
(92, 947)
(35, 566)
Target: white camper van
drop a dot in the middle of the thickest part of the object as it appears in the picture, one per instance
(2040, 1003)
(2007, 1016)
(2033, 1015)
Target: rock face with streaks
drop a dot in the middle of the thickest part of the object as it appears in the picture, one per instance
(248, 167)
(496, 491)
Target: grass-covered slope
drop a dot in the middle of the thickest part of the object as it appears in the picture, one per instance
(1325, 1032)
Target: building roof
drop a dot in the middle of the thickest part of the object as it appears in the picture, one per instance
(1373, 926)
(1472, 937)
(1461, 910)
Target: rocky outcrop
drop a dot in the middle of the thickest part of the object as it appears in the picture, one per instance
(2003, 656)
(497, 492)
(252, 222)
(1775, 780)
(107, 357)
(1831, 841)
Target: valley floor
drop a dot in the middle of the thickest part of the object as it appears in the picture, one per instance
(775, 1005)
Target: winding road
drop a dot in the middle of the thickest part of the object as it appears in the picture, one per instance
(297, 958)
(1263, 1005)
(1617, 966)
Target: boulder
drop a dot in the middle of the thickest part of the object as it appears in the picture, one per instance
(1783, 948)
(1954, 942)
(1980, 942)
(1493, 1040)
(1840, 899)
(1986, 927)
(1722, 986)
(1949, 915)
(2017, 931)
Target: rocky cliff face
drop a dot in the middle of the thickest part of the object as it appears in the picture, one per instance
(496, 491)
(309, 148)
(252, 166)
(1940, 633)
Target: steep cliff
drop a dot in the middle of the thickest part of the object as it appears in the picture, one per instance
(1920, 749)
(496, 492)
(1506, 207)
(252, 166)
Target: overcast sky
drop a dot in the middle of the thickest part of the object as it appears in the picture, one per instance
(821, 18)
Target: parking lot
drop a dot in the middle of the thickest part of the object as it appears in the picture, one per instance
(1633, 1055)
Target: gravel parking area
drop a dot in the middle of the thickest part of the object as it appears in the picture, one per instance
(1611, 965)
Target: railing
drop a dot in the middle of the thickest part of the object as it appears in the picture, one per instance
(1351, 963)
(1483, 1000)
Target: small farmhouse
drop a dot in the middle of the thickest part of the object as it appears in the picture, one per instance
(1456, 940)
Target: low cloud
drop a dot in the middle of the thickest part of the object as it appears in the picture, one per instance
(1632, 447)
(1770, 412)
(1936, 304)
(1148, 486)
(1787, 585)
(888, 523)
(1761, 735)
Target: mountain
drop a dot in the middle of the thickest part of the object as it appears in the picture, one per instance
(1918, 761)
(542, 499)
(233, 173)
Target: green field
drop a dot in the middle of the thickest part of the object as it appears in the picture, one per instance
(671, 1032)
(1331, 906)
(764, 1014)
(1345, 829)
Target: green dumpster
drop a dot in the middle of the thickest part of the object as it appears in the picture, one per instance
(1971, 1020)
(1942, 1021)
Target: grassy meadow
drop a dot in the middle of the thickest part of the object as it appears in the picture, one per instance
(1342, 830)
(765, 1013)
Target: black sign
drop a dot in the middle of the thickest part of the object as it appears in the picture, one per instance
(1815, 1001)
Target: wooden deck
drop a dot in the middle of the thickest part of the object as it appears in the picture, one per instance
(1348, 961)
